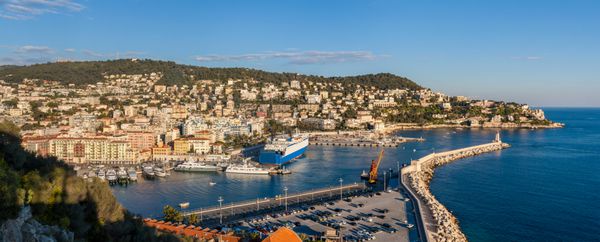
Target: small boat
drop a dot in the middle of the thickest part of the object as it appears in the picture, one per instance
(132, 174)
(364, 175)
(101, 174)
(111, 175)
(410, 226)
(160, 172)
(184, 205)
(122, 174)
(148, 172)
(212, 183)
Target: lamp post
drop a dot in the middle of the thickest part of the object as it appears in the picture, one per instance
(341, 195)
(285, 189)
(398, 174)
(384, 184)
(220, 209)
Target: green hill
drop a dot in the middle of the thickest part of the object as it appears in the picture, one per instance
(58, 197)
(90, 72)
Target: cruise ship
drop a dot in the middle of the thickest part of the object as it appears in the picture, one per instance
(247, 169)
(195, 166)
(282, 150)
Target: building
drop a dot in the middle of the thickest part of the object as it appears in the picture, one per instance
(141, 140)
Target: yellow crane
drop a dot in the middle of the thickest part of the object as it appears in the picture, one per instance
(374, 167)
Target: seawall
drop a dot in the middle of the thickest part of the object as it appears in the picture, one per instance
(434, 221)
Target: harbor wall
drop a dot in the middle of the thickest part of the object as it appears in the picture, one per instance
(435, 222)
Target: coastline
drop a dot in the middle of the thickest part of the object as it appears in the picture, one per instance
(414, 126)
(434, 220)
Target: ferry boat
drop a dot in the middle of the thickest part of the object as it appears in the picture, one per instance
(247, 169)
(195, 166)
(282, 150)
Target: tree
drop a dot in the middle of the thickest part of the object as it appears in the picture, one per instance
(171, 214)
(193, 219)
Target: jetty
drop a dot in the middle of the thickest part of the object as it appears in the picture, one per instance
(434, 221)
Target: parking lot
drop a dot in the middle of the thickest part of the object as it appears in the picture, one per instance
(368, 217)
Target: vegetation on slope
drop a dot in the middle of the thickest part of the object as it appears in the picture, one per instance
(58, 197)
(90, 72)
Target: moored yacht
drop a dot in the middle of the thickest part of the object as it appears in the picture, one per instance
(195, 166)
(160, 172)
(148, 172)
(247, 169)
(132, 174)
(102, 174)
(111, 175)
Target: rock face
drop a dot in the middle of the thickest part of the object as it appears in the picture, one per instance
(26, 229)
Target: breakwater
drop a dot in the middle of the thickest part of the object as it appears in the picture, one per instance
(435, 221)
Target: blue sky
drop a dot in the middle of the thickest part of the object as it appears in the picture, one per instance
(545, 53)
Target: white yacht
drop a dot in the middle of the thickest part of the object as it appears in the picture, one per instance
(122, 174)
(160, 172)
(111, 175)
(148, 172)
(247, 169)
(132, 174)
(195, 166)
(101, 174)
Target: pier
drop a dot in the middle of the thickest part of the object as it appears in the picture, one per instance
(434, 221)
(232, 211)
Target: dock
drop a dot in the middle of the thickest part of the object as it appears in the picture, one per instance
(434, 221)
(360, 142)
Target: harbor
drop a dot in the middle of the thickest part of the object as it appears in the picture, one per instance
(322, 166)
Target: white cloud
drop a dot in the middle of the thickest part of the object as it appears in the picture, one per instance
(26, 9)
(34, 49)
(295, 57)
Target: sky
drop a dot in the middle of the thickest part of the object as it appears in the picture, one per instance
(544, 53)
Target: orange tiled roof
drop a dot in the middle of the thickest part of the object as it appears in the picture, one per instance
(190, 231)
(283, 234)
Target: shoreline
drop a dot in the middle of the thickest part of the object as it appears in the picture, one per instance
(411, 126)
(434, 220)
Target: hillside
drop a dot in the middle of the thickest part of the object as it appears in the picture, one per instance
(58, 197)
(90, 72)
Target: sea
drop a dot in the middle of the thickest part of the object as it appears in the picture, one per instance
(546, 187)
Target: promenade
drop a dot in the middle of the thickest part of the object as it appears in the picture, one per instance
(434, 221)
(233, 210)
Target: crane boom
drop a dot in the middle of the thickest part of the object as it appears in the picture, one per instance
(374, 167)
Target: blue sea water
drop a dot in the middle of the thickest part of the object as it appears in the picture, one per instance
(546, 187)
